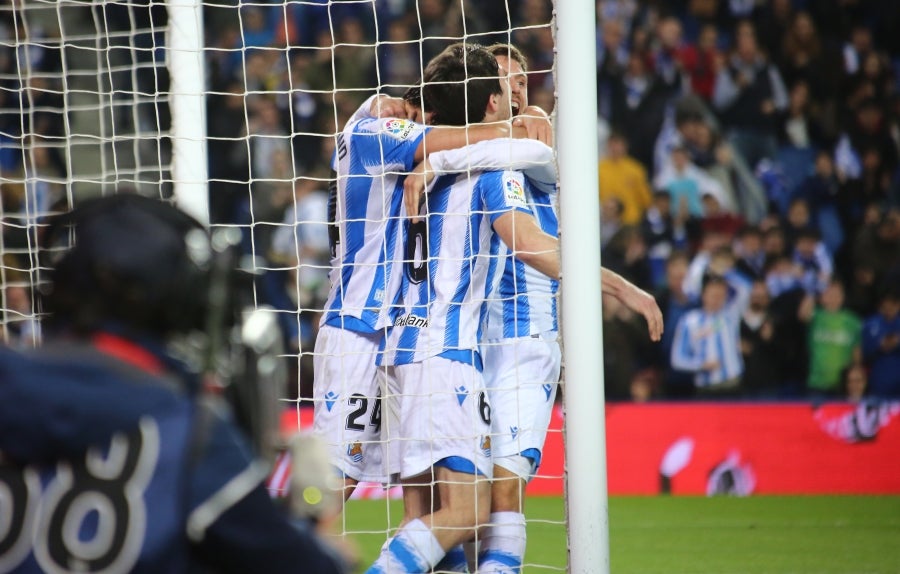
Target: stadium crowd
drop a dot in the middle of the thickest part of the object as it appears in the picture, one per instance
(748, 171)
(755, 139)
(755, 142)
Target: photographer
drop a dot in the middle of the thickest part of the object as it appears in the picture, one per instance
(115, 457)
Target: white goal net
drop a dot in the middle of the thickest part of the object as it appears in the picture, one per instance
(86, 108)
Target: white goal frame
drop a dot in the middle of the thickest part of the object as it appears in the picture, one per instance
(587, 507)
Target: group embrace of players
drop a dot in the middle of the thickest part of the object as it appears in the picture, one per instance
(437, 358)
(436, 361)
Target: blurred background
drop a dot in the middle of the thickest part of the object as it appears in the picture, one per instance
(756, 140)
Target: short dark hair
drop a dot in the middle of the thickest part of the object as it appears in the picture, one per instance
(748, 230)
(511, 52)
(459, 82)
(809, 233)
(712, 279)
(413, 95)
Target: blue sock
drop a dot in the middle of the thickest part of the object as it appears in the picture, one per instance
(453, 561)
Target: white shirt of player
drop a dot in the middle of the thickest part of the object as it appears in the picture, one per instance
(372, 157)
(524, 303)
(444, 292)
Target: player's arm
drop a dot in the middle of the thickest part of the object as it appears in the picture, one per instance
(635, 298)
(531, 157)
(536, 123)
(441, 138)
(384, 106)
(521, 233)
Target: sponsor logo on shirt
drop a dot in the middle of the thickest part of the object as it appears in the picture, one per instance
(398, 128)
(411, 320)
(513, 192)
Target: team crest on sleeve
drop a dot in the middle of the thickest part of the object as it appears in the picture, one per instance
(513, 192)
(398, 128)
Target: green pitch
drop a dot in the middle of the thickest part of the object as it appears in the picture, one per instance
(696, 535)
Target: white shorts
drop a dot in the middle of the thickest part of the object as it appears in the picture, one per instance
(437, 413)
(347, 401)
(521, 376)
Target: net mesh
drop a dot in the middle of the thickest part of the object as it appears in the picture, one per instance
(84, 110)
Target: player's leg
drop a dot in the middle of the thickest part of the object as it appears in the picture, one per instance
(457, 448)
(445, 426)
(423, 541)
(465, 504)
(521, 376)
(347, 403)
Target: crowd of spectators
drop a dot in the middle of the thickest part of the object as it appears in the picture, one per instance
(749, 169)
(750, 178)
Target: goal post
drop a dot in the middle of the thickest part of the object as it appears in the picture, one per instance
(587, 511)
(185, 51)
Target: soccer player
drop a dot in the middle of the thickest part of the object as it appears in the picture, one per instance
(519, 348)
(432, 357)
(111, 457)
(372, 155)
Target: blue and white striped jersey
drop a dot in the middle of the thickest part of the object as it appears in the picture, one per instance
(524, 302)
(366, 210)
(444, 293)
(702, 337)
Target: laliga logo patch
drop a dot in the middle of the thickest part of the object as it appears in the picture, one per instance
(398, 128)
(514, 192)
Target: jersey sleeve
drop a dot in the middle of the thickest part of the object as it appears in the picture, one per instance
(501, 192)
(363, 111)
(391, 142)
(531, 157)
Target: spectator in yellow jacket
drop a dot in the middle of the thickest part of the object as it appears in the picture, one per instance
(624, 178)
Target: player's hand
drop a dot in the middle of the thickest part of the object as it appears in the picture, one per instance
(389, 107)
(414, 188)
(644, 303)
(536, 123)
